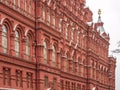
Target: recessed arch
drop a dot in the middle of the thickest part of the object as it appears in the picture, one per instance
(30, 33)
(8, 24)
(19, 28)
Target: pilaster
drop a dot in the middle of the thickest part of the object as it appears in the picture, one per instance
(23, 50)
(1, 38)
(12, 44)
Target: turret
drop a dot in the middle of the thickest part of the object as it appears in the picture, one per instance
(100, 28)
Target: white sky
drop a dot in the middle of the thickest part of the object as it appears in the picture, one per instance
(111, 18)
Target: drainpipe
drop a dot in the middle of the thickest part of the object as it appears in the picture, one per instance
(37, 70)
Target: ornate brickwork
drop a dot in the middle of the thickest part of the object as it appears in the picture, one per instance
(53, 44)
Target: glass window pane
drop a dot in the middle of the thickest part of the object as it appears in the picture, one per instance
(28, 47)
(54, 55)
(17, 45)
(4, 39)
(45, 52)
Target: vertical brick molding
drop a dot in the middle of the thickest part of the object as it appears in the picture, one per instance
(1, 38)
(33, 52)
(39, 8)
(12, 44)
(57, 21)
(23, 54)
(63, 62)
(58, 59)
(40, 47)
(63, 28)
(70, 64)
(76, 67)
(41, 54)
(50, 54)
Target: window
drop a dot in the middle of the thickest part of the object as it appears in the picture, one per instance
(54, 55)
(17, 43)
(67, 85)
(14, 2)
(78, 87)
(83, 87)
(6, 76)
(78, 37)
(28, 47)
(82, 68)
(54, 83)
(83, 41)
(18, 78)
(19, 3)
(46, 81)
(44, 12)
(62, 84)
(72, 34)
(30, 6)
(29, 78)
(67, 31)
(67, 63)
(48, 15)
(60, 25)
(4, 39)
(45, 52)
(25, 5)
(72, 87)
(54, 19)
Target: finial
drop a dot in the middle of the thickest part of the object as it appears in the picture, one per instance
(99, 12)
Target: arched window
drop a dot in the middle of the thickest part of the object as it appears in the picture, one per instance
(4, 39)
(54, 55)
(28, 47)
(45, 52)
(17, 43)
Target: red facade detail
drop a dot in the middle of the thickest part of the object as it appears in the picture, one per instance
(53, 44)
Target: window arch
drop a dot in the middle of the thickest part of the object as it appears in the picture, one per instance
(4, 38)
(54, 55)
(28, 47)
(17, 43)
(45, 52)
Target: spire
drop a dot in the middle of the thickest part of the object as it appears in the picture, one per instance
(100, 27)
(99, 18)
(99, 12)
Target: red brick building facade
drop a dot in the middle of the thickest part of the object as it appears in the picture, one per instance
(53, 44)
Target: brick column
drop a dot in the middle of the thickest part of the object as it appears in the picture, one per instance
(33, 52)
(12, 44)
(70, 65)
(1, 38)
(58, 59)
(50, 53)
(23, 50)
(63, 62)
